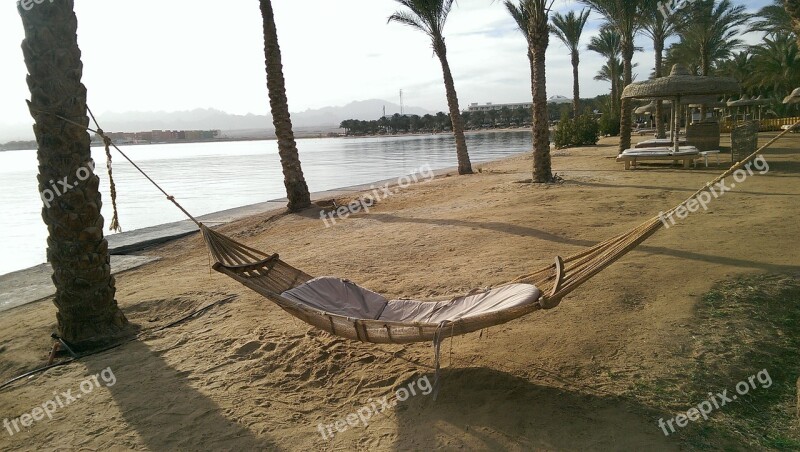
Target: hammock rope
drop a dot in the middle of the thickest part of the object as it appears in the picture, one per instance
(114, 225)
(269, 276)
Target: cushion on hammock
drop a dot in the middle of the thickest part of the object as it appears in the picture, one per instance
(338, 296)
(498, 299)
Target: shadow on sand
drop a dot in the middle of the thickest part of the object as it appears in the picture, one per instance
(540, 234)
(164, 410)
(485, 409)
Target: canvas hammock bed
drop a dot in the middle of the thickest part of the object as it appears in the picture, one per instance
(347, 310)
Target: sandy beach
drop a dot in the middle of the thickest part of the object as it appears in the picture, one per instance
(244, 375)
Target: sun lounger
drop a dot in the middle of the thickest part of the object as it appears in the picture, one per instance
(685, 154)
(658, 142)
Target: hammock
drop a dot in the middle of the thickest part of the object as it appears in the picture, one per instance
(276, 280)
(325, 302)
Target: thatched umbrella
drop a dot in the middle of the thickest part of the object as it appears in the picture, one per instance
(645, 109)
(678, 84)
(793, 98)
(746, 101)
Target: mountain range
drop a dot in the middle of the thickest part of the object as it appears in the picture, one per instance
(312, 120)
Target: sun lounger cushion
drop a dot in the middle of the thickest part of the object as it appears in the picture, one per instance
(498, 299)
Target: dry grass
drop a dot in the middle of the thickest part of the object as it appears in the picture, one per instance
(743, 326)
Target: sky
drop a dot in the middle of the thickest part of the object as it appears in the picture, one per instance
(176, 55)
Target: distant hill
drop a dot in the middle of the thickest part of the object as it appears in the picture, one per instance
(203, 119)
(322, 119)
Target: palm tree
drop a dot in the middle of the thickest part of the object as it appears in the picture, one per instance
(658, 28)
(708, 30)
(568, 30)
(623, 15)
(88, 314)
(532, 17)
(772, 19)
(793, 8)
(609, 45)
(293, 179)
(429, 16)
(740, 67)
(519, 12)
(612, 72)
(776, 65)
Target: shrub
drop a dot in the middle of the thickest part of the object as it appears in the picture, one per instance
(581, 131)
(609, 124)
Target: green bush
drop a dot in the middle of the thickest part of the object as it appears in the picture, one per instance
(581, 131)
(609, 125)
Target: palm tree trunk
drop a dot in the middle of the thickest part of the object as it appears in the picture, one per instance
(576, 88)
(705, 71)
(542, 169)
(660, 129)
(293, 179)
(88, 314)
(614, 87)
(464, 165)
(626, 122)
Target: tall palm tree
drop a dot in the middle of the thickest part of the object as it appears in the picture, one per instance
(658, 28)
(609, 45)
(87, 314)
(623, 15)
(708, 30)
(429, 17)
(532, 17)
(568, 29)
(293, 179)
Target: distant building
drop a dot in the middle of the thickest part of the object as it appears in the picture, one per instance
(490, 106)
(161, 136)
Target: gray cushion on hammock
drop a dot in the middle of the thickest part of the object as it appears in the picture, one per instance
(501, 298)
(343, 297)
(338, 296)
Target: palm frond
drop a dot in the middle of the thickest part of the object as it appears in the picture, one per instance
(569, 28)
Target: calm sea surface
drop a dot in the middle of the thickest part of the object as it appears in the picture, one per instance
(209, 177)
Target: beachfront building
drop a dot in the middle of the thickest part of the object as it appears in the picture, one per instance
(490, 106)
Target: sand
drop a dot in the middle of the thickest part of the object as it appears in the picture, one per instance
(243, 375)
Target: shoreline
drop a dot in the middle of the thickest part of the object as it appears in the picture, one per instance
(298, 136)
